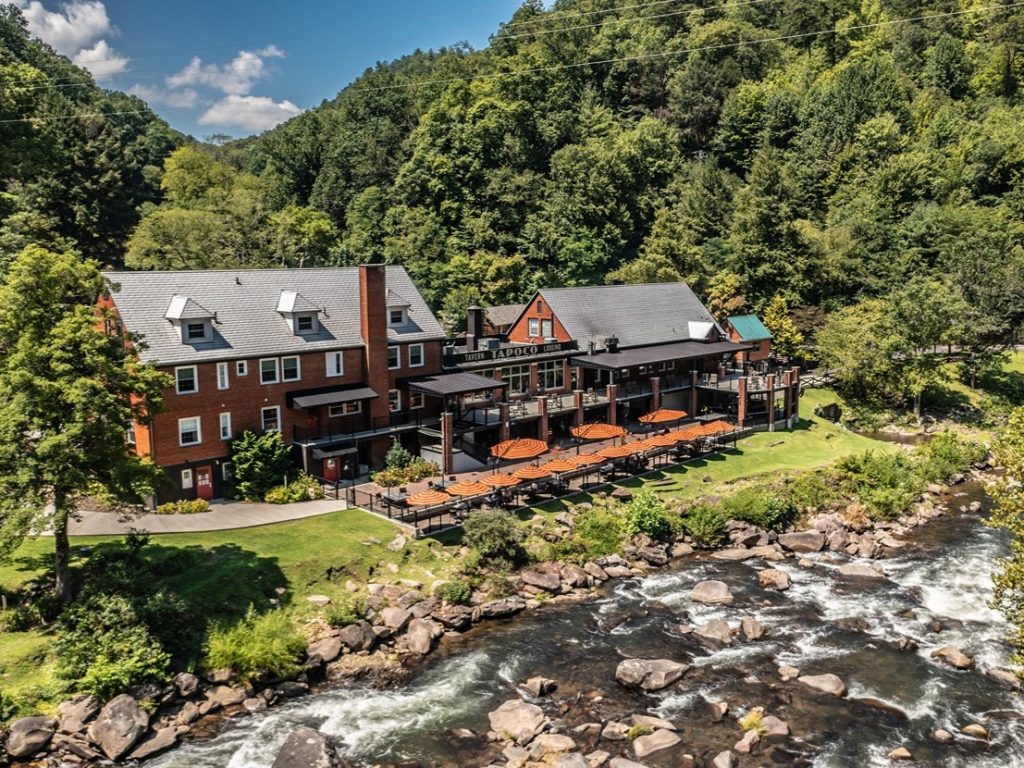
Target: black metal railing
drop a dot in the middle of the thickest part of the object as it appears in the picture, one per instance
(365, 425)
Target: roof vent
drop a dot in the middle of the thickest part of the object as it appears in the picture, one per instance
(611, 344)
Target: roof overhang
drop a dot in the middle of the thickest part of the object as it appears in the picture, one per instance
(314, 398)
(330, 452)
(659, 353)
(459, 383)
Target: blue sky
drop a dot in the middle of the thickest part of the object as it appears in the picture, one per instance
(238, 67)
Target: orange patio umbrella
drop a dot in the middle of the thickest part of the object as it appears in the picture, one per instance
(662, 415)
(532, 473)
(662, 441)
(519, 448)
(616, 452)
(717, 427)
(586, 459)
(598, 431)
(502, 481)
(638, 447)
(559, 465)
(467, 488)
(428, 498)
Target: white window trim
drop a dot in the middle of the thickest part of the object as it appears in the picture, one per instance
(277, 370)
(187, 480)
(263, 421)
(242, 368)
(356, 407)
(225, 471)
(398, 400)
(312, 324)
(392, 323)
(533, 327)
(398, 357)
(423, 356)
(329, 360)
(298, 367)
(199, 431)
(195, 379)
(223, 376)
(225, 422)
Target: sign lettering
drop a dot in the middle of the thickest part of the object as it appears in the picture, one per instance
(506, 353)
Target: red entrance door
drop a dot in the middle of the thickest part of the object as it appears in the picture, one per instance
(204, 482)
(332, 469)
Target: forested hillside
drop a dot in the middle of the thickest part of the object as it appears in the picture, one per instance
(76, 161)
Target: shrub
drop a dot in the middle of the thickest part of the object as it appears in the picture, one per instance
(946, 454)
(259, 461)
(184, 507)
(397, 456)
(417, 469)
(636, 731)
(885, 483)
(753, 720)
(705, 525)
(599, 532)
(809, 490)
(345, 612)
(257, 646)
(496, 535)
(302, 488)
(645, 514)
(455, 592)
(761, 508)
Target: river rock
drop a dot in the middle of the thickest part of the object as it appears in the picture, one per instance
(186, 684)
(118, 726)
(517, 720)
(305, 748)
(1006, 677)
(157, 742)
(576, 577)
(539, 686)
(497, 609)
(575, 760)
(942, 736)
(724, 760)
(750, 740)
(715, 633)
(654, 555)
(654, 742)
(358, 636)
(718, 709)
(29, 735)
(618, 571)
(954, 657)
(803, 541)
(615, 731)
(975, 731)
(901, 753)
(770, 578)
(681, 549)
(596, 571)
(225, 696)
(861, 571)
(773, 727)
(650, 674)
(546, 581)
(621, 762)
(395, 618)
(326, 650)
(827, 683)
(420, 636)
(736, 554)
(75, 713)
(788, 673)
(712, 592)
(550, 744)
(654, 723)
(752, 629)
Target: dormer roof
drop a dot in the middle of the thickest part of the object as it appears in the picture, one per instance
(394, 300)
(184, 308)
(293, 302)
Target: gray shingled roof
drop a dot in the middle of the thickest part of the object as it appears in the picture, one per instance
(504, 314)
(245, 302)
(652, 313)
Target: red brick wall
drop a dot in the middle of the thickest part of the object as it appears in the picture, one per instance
(762, 349)
(520, 331)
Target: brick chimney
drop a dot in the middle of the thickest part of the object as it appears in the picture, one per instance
(373, 326)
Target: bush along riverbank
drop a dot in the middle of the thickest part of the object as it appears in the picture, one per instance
(861, 509)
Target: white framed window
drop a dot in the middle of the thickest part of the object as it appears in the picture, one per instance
(416, 400)
(533, 327)
(394, 358)
(190, 431)
(268, 371)
(335, 363)
(290, 369)
(416, 356)
(305, 323)
(129, 435)
(396, 317)
(344, 409)
(225, 426)
(186, 479)
(186, 380)
(394, 400)
(195, 331)
(223, 382)
(547, 328)
(517, 378)
(226, 471)
(270, 418)
(242, 368)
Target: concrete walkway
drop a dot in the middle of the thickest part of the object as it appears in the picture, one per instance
(222, 516)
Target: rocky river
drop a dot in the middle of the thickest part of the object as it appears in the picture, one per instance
(876, 634)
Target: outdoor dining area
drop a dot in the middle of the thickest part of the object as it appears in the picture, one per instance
(527, 471)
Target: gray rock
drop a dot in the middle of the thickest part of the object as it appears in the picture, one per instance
(1006, 677)
(774, 727)
(654, 742)
(752, 629)
(861, 571)
(358, 636)
(496, 609)
(398, 543)
(118, 726)
(549, 582)
(225, 696)
(724, 760)
(29, 735)
(154, 744)
(770, 578)
(305, 748)
(618, 571)
(750, 740)
(650, 674)
(804, 541)
(715, 633)
(186, 684)
(395, 618)
(539, 686)
(954, 657)
(517, 720)
(75, 713)
(615, 731)
(827, 683)
(596, 571)
(681, 550)
(319, 600)
(575, 760)
(326, 650)
(576, 577)
(654, 723)
(712, 592)
(621, 762)
(736, 555)
(420, 636)
(550, 744)
(654, 555)
(788, 673)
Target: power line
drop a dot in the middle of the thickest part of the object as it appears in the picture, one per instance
(616, 60)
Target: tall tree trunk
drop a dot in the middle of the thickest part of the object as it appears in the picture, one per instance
(61, 552)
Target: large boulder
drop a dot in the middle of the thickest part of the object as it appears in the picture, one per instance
(358, 636)
(186, 684)
(827, 683)
(420, 636)
(954, 657)
(395, 618)
(75, 713)
(159, 741)
(517, 720)
(118, 726)
(803, 541)
(650, 674)
(539, 686)
(306, 748)
(714, 633)
(654, 742)
(771, 578)
(549, 582)
(861, 571)
(497, 609)
(712, 592)
(29, 735)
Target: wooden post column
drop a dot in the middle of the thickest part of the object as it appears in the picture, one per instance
(655, 392)
(770, 379)
(693, 394)
(577, 404)
(542, 422)
(504, 429)
(611, 392)
(741, 406)
(447, 442)
(787, 383)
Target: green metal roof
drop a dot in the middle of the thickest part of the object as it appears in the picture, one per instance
(749, 327)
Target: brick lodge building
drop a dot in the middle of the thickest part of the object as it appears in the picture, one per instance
(343, 361)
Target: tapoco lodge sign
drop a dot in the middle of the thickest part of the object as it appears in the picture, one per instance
(506, 353)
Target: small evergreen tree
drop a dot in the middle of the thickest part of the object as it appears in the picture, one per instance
(786, 337)
(260, 461)
(397, 456)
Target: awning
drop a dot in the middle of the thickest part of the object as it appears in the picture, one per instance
(660, 353)
(460, 383)
(330, 453)
(314, 398)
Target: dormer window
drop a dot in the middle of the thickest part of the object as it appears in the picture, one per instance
(192, 319)
(300, 311)
(396, 317)
(305, 323)
(398, 310)
(196, 331)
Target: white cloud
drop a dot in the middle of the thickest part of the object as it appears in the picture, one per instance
(236, 78)
(250, 113)
(78, 31)
(183, 99)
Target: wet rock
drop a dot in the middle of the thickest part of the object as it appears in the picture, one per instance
(770, 578)
(358, 636)
(773, 727)
(596, 571)
(29, 735)
(853, 624)
(724, 760)
(827, 683)
(539, 686)
(737, 555)
(326, 650)
(1005, 677)
(517, 720)
(118, 726)
(289, 689)
(549, 582)
(788, 673)
(654, 555)
(255, 704)
(803, 541)
(550, 744)
(157, 742)
(654, 723)
(715, 633)
(615, 731)
(942, 736)
(75, 713)
(650, 674)
(496, 609)
(654, 742)
(954, 657)
(752, 629)
(186, 684)
(975, 731)
(750, 740)
(860, 571)
(420, 636)
(305, 748)
(712, 592)
(719, 709)
(903, 643)
(901, 753)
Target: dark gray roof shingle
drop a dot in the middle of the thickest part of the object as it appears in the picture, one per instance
(504, 314)
(245, 302)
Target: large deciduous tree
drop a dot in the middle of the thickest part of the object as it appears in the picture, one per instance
(68, 390)
(1009, 514)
